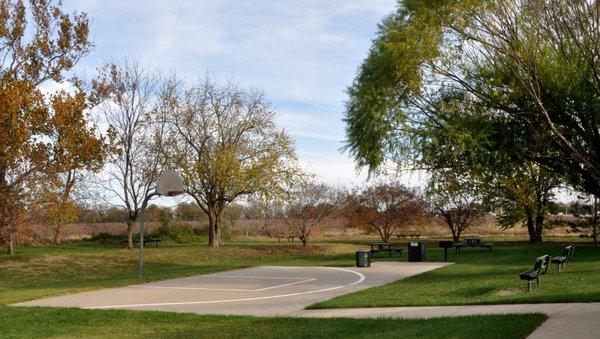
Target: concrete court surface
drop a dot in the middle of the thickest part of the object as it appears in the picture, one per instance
(259, 291)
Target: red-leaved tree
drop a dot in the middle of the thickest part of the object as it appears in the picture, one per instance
(384, 208)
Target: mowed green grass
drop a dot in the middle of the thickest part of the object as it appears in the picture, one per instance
(71, 323)
(482, 277)
(37, 272)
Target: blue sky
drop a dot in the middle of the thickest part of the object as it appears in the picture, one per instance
(303, 54)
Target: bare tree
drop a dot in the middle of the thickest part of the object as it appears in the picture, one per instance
(264, 210)
(384, 208)
(456, 199)
(225, 142)
(309, 205)
(135, 164)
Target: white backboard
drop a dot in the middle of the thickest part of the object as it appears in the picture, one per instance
(170, 184)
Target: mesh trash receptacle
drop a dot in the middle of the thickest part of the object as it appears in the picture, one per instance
(416, 251)
(363, 258)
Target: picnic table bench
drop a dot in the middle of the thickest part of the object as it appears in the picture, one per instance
(147, 239)
(389, 247)
(408, 236)
(472, 242)
(288, 237)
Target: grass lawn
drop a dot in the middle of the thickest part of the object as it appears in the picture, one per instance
(37, 272)
(53, 322)
(478, 277)
(482, 277)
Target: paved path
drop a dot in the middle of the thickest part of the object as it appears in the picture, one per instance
(566, 321)
(259, 291)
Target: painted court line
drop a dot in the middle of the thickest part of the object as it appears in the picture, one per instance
(224, 289)
(191, 288)
(293, 283)
(255, 277)
(360, 279)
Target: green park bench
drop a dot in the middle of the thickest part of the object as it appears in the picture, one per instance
(562, 260)
(535, 272)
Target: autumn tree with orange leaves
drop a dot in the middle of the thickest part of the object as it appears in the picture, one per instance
(384, 208)
(43, 136)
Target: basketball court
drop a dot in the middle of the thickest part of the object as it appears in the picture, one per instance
(263, 290)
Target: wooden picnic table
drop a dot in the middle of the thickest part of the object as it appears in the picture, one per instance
(408, 236)
(385, 247)
(473, 242)
(147, 239)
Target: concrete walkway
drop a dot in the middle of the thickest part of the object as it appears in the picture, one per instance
(568, 320)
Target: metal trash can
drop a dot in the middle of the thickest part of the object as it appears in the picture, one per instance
(416, 251)
(363, 258)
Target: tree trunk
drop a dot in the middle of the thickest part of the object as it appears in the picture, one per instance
(387, 233)
(595, 222)
(11, 244)
(57, 232)
(455, 231)
(451, 226)
(531, 227)
(130, 225)
(539, 225)
(214, 233)
(70, 182)
(381, 234)
(304, 240)
(455, 236)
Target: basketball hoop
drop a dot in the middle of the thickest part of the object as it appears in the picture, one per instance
(169, 184)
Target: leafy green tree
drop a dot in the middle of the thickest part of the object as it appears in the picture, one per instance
(189, 212)
(530, 64)
(523, 194)
(470, 142)
(487, 87)
(456, 199)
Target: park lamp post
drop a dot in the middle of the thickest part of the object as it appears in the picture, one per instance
(169, 184)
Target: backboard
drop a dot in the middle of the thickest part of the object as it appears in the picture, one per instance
(170, 184)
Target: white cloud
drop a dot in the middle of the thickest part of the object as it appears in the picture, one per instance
(302, 53)
(324, 127)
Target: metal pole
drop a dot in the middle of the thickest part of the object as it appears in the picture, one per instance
(144, 205)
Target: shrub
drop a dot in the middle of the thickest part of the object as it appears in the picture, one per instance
(180, 234)
(106, 238)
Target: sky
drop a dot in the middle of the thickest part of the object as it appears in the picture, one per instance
(302, 54)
